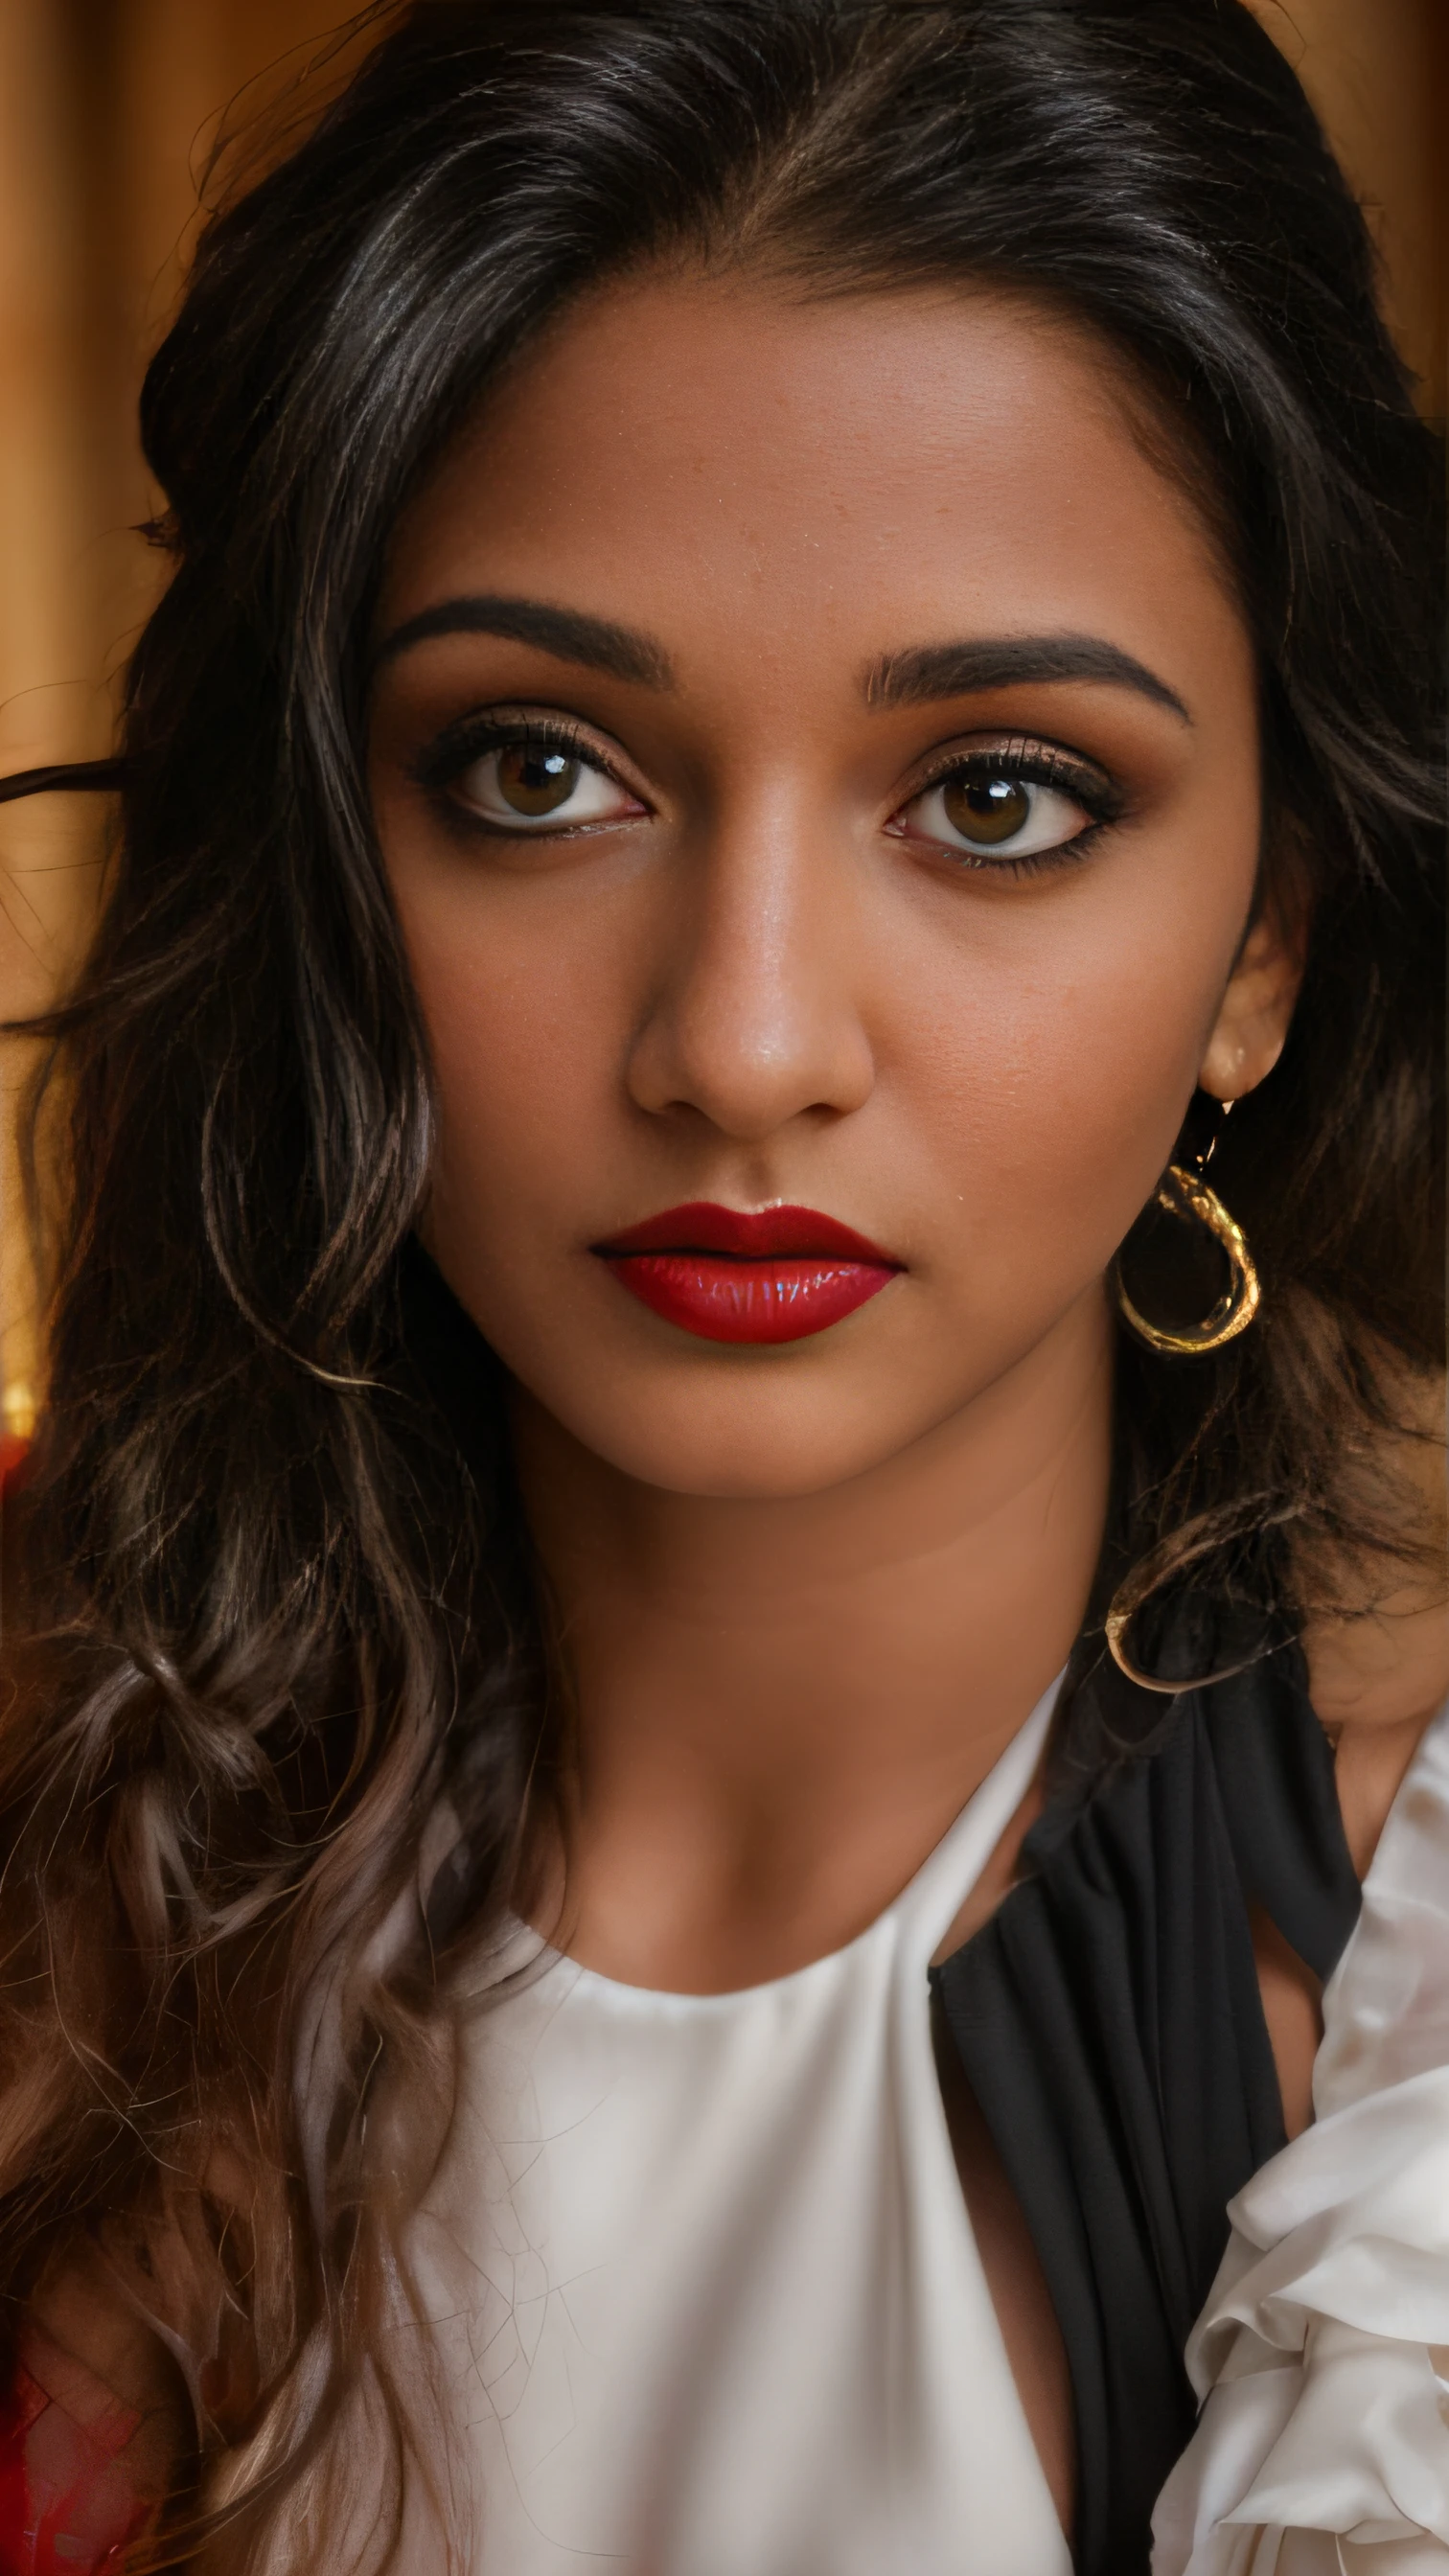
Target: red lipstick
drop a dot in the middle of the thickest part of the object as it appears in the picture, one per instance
(728, 1276)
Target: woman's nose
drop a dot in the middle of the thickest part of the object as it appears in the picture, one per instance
(755, 1019)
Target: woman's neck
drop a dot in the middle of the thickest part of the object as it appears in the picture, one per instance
(783, 1703)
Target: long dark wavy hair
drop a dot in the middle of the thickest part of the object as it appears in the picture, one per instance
(277, 1672)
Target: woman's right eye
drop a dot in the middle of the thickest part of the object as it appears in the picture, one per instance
(541, 786)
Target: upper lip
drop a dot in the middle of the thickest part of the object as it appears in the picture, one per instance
(748, 1234)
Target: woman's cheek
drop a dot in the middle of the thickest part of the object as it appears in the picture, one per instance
(538, 1149)
(1051, 1100)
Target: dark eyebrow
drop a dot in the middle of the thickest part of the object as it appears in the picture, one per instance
(565, 632)
(925, 671)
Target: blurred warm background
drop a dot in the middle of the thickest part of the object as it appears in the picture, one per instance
(109, 113)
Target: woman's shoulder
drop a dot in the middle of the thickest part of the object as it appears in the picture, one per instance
(1377, 1649)
(1376, 1683)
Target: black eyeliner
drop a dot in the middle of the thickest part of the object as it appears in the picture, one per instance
(1035, 764)
(472, 737)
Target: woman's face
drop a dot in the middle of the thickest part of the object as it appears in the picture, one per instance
(815, 758)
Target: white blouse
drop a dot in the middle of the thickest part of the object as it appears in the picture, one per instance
(702, 2279)
(1323, 2351)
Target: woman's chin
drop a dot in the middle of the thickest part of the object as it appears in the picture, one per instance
(749, 1434)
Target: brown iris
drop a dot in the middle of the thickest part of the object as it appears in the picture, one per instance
(534, 779)
(986, 809)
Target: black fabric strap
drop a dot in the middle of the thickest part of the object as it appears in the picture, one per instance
(1109, 2022)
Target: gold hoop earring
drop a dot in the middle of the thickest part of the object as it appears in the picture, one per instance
(1116, 1628)
(1186, 1195)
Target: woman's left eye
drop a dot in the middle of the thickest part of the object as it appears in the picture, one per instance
(994, 813)
(524, 786)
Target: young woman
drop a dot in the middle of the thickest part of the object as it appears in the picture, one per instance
(735, 1546)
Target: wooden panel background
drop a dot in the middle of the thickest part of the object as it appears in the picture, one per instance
(108, 109)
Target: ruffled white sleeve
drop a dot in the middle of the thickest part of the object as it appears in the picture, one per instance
(1322, 2355)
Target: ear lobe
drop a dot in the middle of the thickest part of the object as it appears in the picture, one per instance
(1253, 1019)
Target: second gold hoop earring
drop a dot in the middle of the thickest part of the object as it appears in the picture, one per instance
(1186, 1195)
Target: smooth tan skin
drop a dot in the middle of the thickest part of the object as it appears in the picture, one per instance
(809, 1593)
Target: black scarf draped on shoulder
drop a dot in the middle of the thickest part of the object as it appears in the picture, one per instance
(1109, 2022)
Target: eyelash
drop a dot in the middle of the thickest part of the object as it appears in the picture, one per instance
(473, 739)
(1024, 757)
(1034, 763)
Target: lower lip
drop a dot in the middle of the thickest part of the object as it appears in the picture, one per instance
(721, 1298)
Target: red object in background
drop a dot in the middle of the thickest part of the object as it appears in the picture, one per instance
(67, 2504)
(13, 1453)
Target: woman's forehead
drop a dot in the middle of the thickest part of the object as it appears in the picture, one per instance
(845, 476)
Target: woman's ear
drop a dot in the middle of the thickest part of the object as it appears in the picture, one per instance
(1252, 1022)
